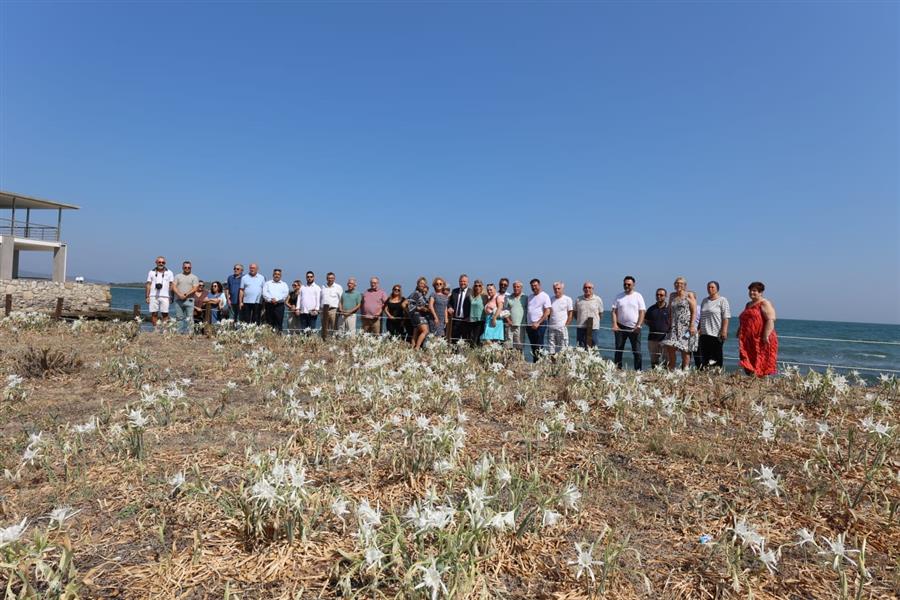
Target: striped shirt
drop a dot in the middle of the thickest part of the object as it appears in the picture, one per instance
(712, 314)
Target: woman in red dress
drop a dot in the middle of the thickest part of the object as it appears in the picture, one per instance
(757, 341)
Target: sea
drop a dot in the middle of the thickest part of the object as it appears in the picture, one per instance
(870, 348)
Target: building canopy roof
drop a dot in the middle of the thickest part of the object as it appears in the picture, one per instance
(7, 199)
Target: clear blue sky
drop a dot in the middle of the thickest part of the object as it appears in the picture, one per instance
(725, 141)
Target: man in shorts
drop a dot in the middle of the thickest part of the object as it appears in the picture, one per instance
(158, 288)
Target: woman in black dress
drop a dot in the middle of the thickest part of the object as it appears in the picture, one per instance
(395, 312)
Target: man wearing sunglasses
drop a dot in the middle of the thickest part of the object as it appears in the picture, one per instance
(628, 313)
(233, 291)
(184, 287)
(159, 288)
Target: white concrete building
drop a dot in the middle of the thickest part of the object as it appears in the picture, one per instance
(18, 233)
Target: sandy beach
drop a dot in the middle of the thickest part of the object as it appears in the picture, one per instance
(247, 465)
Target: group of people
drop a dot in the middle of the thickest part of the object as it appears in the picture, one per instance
(493, 314)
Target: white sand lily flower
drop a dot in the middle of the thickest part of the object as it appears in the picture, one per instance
(550, 518)
(31, 454)
(176, 480)
(768, 479)
(584, 560)
(442, 466)
(137, 419)
(264, 492)
(769, 558)
(339, 507)
(482, 468)
(373, 557)
(805, 536)
(839, 550)
(88, 427)
(431, 579)
(570, 497)
(476, 496)
(59, 515)
(11, 534)
(368, 515)
(748, 534)
(503, 521)
(870, 426)
(504, 477)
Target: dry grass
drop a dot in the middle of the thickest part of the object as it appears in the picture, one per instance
(657, 486)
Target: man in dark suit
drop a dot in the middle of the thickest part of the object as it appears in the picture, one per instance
(458, 308)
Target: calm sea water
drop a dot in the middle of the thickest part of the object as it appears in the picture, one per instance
(833, 348)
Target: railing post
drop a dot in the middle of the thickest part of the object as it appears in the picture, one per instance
(137, 311)
(7, 308)
(59, 306)
(207, 319)
(589, 332)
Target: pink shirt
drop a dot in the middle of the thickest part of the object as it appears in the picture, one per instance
(373, 302)
(495, 303)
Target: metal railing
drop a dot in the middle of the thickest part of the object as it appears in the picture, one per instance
(31, 231)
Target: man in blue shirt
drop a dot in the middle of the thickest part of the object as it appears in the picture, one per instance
(251, 295)
(233, 291)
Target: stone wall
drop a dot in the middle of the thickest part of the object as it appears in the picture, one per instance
(40, 295)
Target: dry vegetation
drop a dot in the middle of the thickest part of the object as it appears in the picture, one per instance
(253, 466)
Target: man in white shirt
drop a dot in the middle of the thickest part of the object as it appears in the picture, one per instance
(158, 288)
(588, 306)
(330, 303)
(561, 310)
(627, 319)
(538, 312)
(310, 301)
(250, 296)
(274, 293)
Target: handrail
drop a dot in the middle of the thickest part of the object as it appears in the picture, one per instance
(31, 231)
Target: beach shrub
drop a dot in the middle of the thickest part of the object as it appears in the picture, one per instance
(34, 362)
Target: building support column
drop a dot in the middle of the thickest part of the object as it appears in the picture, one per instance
(15, 266)
(59, 263)
(7, 252)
